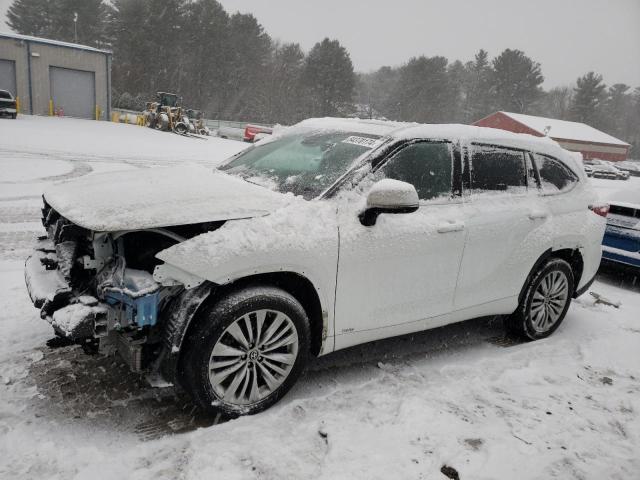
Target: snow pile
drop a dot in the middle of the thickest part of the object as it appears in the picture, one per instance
(89, 141)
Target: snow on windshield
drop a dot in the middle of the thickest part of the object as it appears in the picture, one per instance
(304, 163)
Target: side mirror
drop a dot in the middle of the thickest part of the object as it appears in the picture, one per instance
(389, 196)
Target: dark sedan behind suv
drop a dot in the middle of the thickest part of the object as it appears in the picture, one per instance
(8, 104)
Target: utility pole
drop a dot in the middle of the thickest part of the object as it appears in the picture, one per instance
(75, 27)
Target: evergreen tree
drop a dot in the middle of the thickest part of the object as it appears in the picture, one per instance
(163, 29)
(32, 17)
(284, 84)
(423, 93)
(478, 88)
(131, 47)
(556, 103)
(249, 50)
(617, 115)
(516, 80)
(328, 79)
(80, 21)
(457, 94)
(375, 92)
(589, 95)
(205, 55)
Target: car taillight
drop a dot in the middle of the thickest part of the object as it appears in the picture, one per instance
(601, 210)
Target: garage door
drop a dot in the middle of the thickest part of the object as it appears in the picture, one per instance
(8, 76)
(73, 91)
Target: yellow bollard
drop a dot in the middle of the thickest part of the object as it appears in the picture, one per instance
(51, 107)
(18, 104)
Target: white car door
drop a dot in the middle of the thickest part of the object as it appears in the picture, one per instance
(394, 275)
(503, 215)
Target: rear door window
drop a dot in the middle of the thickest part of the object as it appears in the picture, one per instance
(497, 169)
(555, 177)
(428, 166)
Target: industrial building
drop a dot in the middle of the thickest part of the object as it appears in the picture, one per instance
(56, 78)
(572, 136)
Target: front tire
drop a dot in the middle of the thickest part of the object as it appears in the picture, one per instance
(162, 122)
(544, 302)
(246, 351)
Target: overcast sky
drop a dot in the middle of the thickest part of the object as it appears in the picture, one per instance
(568, 37)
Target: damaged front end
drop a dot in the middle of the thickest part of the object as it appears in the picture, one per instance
(94, 294)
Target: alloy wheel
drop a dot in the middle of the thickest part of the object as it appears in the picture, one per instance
(549, 301)
(253, 357)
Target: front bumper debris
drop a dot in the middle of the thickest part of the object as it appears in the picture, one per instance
(126, 300)
(44, 281)
(71, 316)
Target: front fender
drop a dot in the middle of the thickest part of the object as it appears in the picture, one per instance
(301, 238)
(177, 318)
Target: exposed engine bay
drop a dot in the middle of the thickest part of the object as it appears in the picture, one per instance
(99, 290)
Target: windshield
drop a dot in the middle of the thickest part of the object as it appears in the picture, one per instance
(303, 163)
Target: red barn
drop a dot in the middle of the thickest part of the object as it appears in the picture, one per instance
(573, 136)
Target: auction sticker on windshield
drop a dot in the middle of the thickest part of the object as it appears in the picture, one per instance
(362, 141)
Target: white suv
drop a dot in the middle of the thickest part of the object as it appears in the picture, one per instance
(330, 234)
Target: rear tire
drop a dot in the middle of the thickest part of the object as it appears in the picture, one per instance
(544, 301)
(246, 351)
(14, 115)
(181, 129)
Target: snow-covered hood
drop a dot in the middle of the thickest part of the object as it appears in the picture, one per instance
(159, 197)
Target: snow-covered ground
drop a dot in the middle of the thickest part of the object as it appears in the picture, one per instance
(564, 407)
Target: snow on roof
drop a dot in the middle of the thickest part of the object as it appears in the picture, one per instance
(563, 129)
(452, 131)
(359, 125)
(448, 131)
(47, 41)
(486, 135)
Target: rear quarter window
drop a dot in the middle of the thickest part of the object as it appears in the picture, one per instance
(555, 176)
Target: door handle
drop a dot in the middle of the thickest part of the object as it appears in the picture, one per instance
(450, 227)
(537, 214)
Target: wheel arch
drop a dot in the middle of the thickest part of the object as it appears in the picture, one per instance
(571, 255)
(179, 314)
(298, 286)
